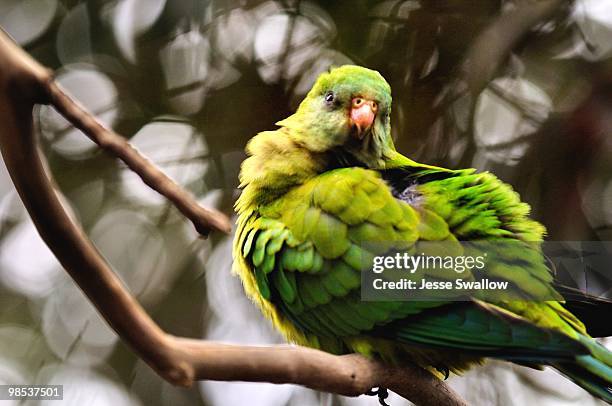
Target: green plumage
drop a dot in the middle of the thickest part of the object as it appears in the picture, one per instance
(313, 194)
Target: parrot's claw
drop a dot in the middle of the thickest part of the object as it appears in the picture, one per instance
(382, 394)
(445, 371)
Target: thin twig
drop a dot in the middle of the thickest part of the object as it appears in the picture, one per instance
(203, 219)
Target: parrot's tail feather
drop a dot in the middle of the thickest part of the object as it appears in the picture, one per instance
(589, 382)
(592, 372)
(593, 311)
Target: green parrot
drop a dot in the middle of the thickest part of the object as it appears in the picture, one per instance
(329, 179)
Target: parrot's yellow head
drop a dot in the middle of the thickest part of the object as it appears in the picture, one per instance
(346, 112)
(343, 121)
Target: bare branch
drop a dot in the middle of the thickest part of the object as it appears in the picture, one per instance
(350, 375)
(203, 219)
(24, 83)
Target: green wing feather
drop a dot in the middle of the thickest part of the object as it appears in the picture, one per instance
(304, 252)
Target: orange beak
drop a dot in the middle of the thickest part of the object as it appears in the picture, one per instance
(363, 112)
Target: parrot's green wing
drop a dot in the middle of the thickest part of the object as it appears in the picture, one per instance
(304, 253)
(306, 248)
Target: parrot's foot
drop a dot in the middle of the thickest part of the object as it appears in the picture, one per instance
(443, 370)
(382, 394)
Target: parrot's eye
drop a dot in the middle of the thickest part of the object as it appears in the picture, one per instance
(329, 97)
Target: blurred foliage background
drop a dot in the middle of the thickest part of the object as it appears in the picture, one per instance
(189, 82)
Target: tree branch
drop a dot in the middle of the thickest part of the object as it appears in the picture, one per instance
(203, 219)
(493, 46)
(490, 49)
(24, 83)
